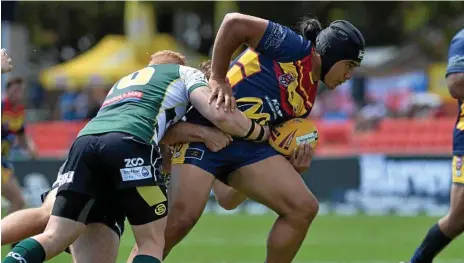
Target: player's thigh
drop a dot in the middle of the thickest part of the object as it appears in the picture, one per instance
(146, 210)
(98, 244)
(275, 183)
(48, 199)
(189, 190)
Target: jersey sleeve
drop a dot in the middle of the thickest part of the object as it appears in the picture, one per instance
(192, 78)
(456, 54)
(282, 44)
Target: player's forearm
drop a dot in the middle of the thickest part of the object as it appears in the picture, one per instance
(236, 29)
(26, 142)
(234, 123)
(455, 83)
(184, 132)
(237, 124)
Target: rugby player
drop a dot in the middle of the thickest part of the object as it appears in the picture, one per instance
(274, 80)
(13, 131)
(452, 225)
(115, 158)
(103, 229)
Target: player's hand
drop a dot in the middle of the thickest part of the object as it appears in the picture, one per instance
(301, 157)
(7, 63)
(216, 139)
(222, 92)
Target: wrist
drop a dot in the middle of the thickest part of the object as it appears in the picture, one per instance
(256, 132)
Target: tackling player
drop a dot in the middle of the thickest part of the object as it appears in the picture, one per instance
(274, 80)
(115, 158)
(104, 227)
(452, 225)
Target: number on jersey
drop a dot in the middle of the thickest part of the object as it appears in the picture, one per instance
(137, 78)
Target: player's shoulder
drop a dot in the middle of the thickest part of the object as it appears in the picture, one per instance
(191, 74)
(456, 54)
(459, 35)
(457, 43)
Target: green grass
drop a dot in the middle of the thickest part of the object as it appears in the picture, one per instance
(241, 239)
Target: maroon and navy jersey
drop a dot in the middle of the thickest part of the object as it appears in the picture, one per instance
(13, 124)
(273, 82)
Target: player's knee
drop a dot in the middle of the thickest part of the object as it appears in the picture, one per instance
(456, 220)
(304, 209)
(182, 221)
(227, 205)
(43, 215)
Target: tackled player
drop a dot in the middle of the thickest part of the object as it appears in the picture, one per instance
(274, 80)
(115, 158)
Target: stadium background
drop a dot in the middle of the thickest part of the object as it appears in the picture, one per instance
(382, 169)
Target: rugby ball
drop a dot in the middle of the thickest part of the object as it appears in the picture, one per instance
(285, 137)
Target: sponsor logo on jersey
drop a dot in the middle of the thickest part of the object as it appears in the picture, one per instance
(194, 153)
(160, 209)
(64, 178)
(133, 162)
(458, 165)
(275, 107)
(286, 79)
(136, 173)
(127, 96)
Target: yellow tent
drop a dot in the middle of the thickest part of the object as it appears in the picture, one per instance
(111, 59)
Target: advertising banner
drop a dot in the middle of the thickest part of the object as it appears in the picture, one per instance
(370, 184)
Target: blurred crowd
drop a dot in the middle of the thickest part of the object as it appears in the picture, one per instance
(345, 103)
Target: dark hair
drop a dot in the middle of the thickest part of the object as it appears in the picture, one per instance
(14, 80)
(310, 28)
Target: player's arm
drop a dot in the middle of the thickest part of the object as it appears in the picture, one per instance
(25, 141)
(182, 132)
(227, 197)
(455, 69)
(234, 123)
(268, 38)
(455, 82)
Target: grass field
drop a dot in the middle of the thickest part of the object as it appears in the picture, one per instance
(332, 239)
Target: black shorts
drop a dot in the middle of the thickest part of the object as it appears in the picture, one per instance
(113, 170)
(103, 213)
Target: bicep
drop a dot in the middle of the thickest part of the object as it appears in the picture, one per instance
(252, 28)
(199, 100)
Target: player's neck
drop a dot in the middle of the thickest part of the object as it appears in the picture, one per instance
(316, 66)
